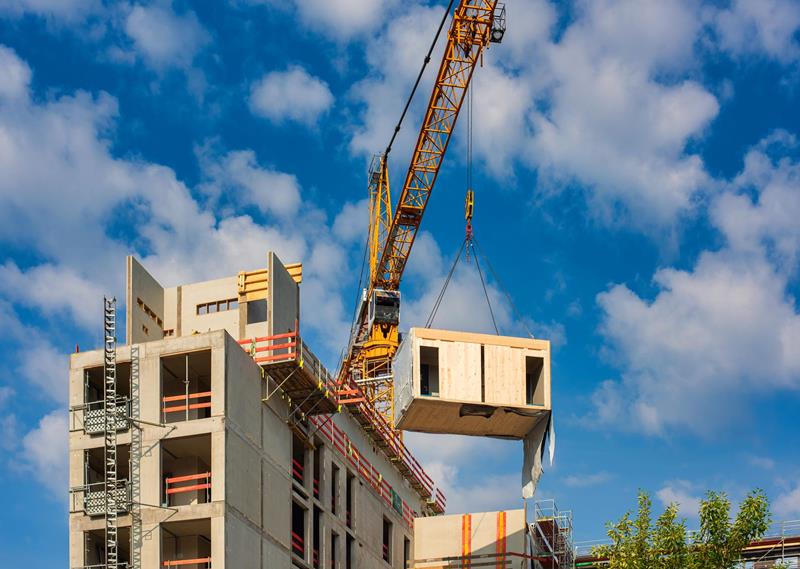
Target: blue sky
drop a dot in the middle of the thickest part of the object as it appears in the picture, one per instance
(637, 178)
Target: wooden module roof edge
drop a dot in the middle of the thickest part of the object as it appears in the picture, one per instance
(475, 338)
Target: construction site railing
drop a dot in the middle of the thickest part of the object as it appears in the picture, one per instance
(298, 545)
(203, 562)
(93, 416)
(176, 485)
(342, 444)
(263, 350)
(189, 402)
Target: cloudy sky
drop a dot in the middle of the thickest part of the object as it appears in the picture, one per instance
(637, 178)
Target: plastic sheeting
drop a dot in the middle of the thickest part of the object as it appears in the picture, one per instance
(533, 452)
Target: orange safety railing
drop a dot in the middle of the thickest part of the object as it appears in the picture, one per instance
(342, 443)
(298, 471)
(202, 482)
(268, 344)
(298, 545)
(200, 562)
(296, 350)
(186, 399)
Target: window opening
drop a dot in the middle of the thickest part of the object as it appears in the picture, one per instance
(298, 535)
(315, 537)
(186, 386)
(298, 460)
(334, 487)
(186, 471)
(349, 553)
(534, 386)
(350, 491)
(429, 370)
(256, 311)
(387, 541)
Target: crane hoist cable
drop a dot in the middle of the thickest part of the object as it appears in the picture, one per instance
(419, 77)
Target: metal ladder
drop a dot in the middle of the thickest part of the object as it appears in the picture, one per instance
(110, 416)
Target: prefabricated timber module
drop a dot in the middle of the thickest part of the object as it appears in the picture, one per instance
(471, 384)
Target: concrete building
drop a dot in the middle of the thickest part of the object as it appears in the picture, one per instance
(230, 448)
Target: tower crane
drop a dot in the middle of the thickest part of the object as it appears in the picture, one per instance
(365, 374)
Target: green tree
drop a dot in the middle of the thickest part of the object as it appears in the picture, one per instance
(637, 543)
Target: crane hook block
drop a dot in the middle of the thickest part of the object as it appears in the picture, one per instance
(469, 205)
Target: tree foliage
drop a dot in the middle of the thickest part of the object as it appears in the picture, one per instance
(638, 543)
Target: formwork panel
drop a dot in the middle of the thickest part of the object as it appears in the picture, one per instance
(471, 384)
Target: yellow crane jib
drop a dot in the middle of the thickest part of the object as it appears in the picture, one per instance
(475, 24)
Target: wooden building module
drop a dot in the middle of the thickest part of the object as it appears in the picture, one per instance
(471, 384)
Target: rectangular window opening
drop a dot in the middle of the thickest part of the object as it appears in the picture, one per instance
(406, 552)
(256, 311)
(298, 532)
(334, 488)
(298, 460)
(349, 552)
(534, 386)
(350, 497)
(334, 550)
(186, 386)
(387, 541)
(429, 371)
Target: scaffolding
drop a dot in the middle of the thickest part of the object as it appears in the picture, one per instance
(551, 537)
(110, 435)
(136, 457)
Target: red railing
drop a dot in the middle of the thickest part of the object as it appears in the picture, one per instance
(315, 558)
(342, 443)
(386, 552)
(296, 350)
(440, 501)
(186, 399)
(171, 488)
(298, 471)
(316, 488)
(298, 545)
(267, 344)
(202, 561)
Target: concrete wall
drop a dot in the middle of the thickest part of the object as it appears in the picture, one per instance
(283, 302)
(201, 293)
(142, 292)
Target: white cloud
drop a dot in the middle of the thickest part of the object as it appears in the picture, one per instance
(787, 504)
(450, 460)
(343, 19)
(394, 56)
(291, 95)
(239, 176)
(680, 492)
(767, 27)
(44, 453)
(609, 104)
(164, 38)
(611, 123)
(15, 75)
(352, 223)
(36, 287)
(675, 350)
(586, 480)
(62, 10)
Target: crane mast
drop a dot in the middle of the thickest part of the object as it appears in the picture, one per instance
(375, 338)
